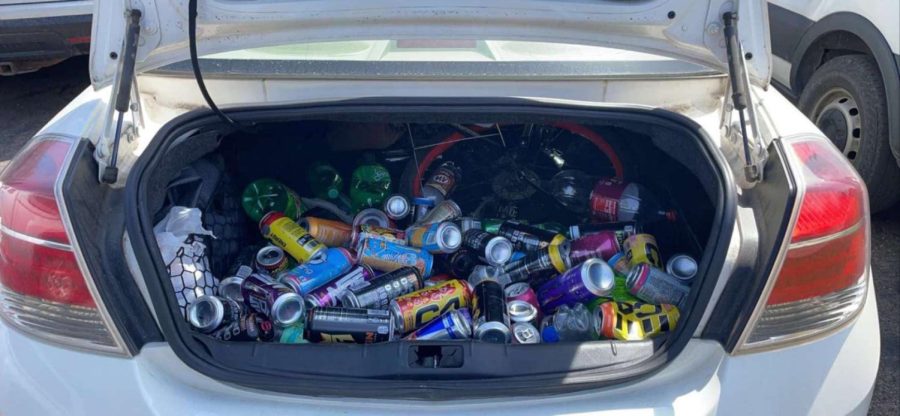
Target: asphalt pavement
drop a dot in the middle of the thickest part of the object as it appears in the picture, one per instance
(28, 101)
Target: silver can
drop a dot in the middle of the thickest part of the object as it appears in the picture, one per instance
(446, 210)
(522, 311)
(397, 207)
(209, 313)
(469, 223)
(371, 216)
(230, 287)
(525, 333)
(683, 267)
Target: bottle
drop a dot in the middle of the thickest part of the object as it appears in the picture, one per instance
(326, 183)
(572, 188)
(265, 195)
(568, 324)
(615, 200)
(370, 186)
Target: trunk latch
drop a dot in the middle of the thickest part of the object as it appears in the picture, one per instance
(435, 356)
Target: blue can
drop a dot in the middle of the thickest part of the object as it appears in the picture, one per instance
(516, 256)
(439, 237)
(386, 256)
(456, 324)
(317, 272)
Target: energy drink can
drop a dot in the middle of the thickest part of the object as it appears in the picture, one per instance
(438, 279)
(413, 310)
(522, 291)
(329, 294)
(386, 256)
(469, 223)
(683, 267)
(329, 232)
(453, 325)
(656, 286)
(271, 259)
(230, 287)
(209, 313)
(461, 263)
(279, 303)
(522, 311)
(397, 207)
(622, 229)
(383, 289)
(349, 325)
(317, 272)
(489, 315)
(371, 216)
(439, 237)
(364, 231)
(554, 257)
(525, 333)
(591, 280)
(481, 273)
(599, 245)
(289, 236)
(642, 249)
(527, 237)
(446, 210)
(494, 249)
(634, 321)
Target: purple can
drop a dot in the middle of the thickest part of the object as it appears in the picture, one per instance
(264, 295)
(327, 296)
(592, 279)
(600, 245)
(317, 272)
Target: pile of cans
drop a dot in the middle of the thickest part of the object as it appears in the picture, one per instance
(418, 269)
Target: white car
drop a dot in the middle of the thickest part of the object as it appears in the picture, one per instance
(780, 318)
(38, 33)
(841, 61)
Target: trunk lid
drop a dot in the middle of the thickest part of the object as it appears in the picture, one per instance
(682, 29)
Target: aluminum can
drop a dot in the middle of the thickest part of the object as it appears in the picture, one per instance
(619, 263)
(642, 249)
(656, 286)
(525, 333)
(269, 332)
(527, 237)
(489, 315)
(461, 263)
(590, 280)
(599, 245)
(683, 267)
(349, 325)
(397, 207)
(469, 223)
(453, 325)
(444, 211)
(305, 278)
(208, 313)
(481, 273)
(364, 231)
(413, 310)
(438, 279)
(633, 321)
(230, 287)
(554, 257)
(444, 178)
(289, 236)
(622, 229)
(386, 256)
(278, 302)
(522, 291)
(494, 249)
(439, 237)
(328, 295)
(383, 289)
(371, 216)
(329, 232)
(422, 205)
(271, 259)
(521, 311)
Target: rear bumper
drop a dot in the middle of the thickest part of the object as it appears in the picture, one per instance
(30, 43)
(833, 375)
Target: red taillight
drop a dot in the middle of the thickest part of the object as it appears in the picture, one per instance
(42, 289)
(822, 280)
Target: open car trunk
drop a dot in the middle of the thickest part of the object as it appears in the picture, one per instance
(197, 160)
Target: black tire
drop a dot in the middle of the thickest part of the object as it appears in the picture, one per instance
(845, 98)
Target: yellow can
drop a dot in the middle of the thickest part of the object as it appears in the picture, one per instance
(642, 249)
(634, 321)
(289, 236)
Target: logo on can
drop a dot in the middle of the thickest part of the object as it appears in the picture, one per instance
(642, 249)
(413, 310)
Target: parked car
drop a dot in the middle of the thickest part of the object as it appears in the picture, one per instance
(780, 318)
(841, 61)
(37, 33)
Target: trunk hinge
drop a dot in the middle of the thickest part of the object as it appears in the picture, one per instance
(754, 154)
(108, 159)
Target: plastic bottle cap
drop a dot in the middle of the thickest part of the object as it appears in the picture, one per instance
(550, 334)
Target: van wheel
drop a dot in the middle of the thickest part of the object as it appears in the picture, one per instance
(845, 98)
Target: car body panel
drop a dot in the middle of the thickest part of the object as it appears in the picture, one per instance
(683, 29)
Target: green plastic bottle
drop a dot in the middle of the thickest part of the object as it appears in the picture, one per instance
(326, 183)
(370, 185)
(265, 195)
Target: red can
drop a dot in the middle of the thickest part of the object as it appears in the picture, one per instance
(522, 291)
(413, 310)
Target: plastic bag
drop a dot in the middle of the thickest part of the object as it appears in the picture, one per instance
(184, 253)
